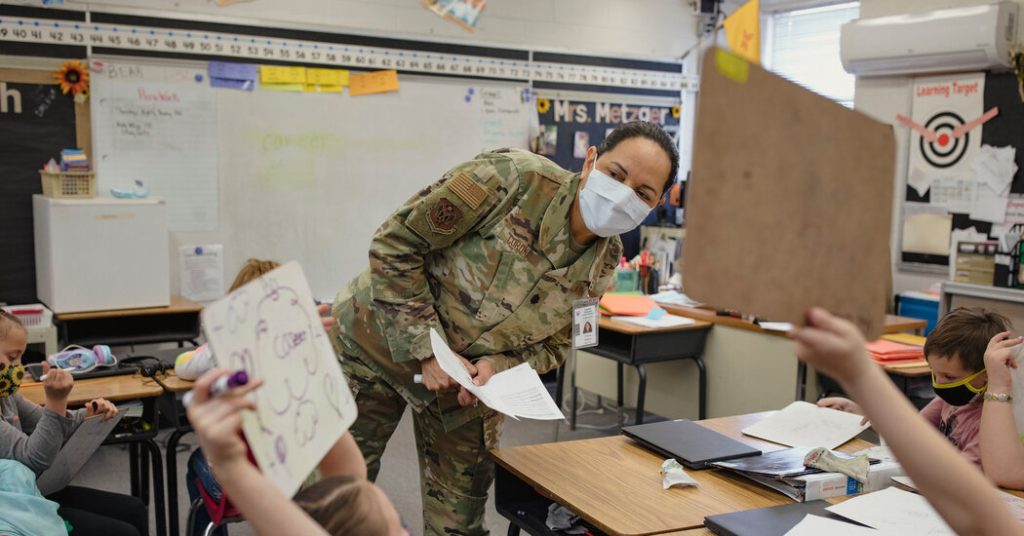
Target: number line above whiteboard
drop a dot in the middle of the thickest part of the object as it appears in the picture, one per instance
(253, 47)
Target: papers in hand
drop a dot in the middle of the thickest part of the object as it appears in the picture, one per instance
(802, 424)
(517, 392)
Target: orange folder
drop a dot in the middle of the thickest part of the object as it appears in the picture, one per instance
(626, 305)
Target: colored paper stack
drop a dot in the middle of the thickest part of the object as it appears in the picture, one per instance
(74, 160)
(885, 351)
(626, 305)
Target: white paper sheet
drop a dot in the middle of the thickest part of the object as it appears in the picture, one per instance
(666, 321)
(995, 166)
(896, 511)
(989, 205)
(813, 525)
(75, 452)
(955, 193)
(158, 124)
(926, 229)
(270, 328)
(802, 424)
(920, 181)
(672, 297)
(776, 326)
(517, 392)
(201, 270)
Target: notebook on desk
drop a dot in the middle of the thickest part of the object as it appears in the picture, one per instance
(773, 521)
(693, 445)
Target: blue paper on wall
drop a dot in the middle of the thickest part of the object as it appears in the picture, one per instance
(229, 83)
(233, 71)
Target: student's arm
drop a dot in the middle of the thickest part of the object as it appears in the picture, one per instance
(44, 434)
(217, 422)
(432, 220)
(1002, 452)
(344, 459)
(964, 498)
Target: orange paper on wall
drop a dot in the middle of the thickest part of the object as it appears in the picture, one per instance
(375, 82)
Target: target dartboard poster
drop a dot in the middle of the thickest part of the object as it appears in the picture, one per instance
(944, 134)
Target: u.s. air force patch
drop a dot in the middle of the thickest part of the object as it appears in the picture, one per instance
(444, 216)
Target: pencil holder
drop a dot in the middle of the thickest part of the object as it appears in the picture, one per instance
(70, 184)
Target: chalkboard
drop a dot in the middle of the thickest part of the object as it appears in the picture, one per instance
(36, 122)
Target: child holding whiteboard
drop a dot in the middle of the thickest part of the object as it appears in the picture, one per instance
(33, 435)
(961, 495)
(344, 504)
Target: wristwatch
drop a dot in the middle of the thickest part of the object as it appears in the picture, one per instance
(998, 397)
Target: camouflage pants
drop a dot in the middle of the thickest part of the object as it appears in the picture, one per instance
(455, 467)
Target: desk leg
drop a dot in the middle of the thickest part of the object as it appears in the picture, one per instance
(572, 418)
(641, 391)
(133, 468)
(801, 380)
(158, 485)
(172, 479)
(702, 387)
(144, 475)
(618, 392)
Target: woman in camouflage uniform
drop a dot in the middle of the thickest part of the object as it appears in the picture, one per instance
(492, 256)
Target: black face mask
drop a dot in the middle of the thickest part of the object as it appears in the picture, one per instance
(958, 393)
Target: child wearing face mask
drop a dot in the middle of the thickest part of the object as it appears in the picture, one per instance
(955, 351)
(33, 435)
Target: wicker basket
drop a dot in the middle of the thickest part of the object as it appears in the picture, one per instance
(73, 184)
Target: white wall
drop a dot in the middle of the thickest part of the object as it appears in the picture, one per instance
(639, 28)
(883, 98)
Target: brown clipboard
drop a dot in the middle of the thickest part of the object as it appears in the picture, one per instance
(790, 200)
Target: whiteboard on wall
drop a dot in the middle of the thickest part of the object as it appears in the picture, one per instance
(310, 176)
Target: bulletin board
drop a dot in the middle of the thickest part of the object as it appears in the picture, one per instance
(36, 122)
(1000, 90)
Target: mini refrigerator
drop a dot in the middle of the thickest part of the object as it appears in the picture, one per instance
(102, 253)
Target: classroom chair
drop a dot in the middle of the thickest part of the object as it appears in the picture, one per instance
(218, 507)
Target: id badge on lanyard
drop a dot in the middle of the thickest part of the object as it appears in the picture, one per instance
(584, 323)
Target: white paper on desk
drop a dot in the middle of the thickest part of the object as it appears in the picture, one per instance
(672, 297)
(813, 525)
(776, 326)
(201, 271)
(517, 392)
(802, 424)
(75, 452)
(666, 321)
(895, 511)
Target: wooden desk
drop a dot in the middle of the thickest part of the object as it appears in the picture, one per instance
(113, 388)
(893, 323)
(178, 322)
(630, 344)
(615, 484)
(118, 389)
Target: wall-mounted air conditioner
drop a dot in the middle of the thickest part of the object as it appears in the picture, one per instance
(972, 38)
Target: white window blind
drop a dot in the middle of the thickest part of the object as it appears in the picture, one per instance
(803, 46)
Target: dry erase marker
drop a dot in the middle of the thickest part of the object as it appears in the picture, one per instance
(221, 385)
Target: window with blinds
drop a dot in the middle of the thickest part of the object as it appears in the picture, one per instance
(803, 46)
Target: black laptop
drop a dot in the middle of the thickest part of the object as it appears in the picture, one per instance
(691, 444)
(773, 521)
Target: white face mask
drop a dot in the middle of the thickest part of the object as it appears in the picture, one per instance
(609, 207)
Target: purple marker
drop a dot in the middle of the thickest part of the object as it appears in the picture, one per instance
(222, 385)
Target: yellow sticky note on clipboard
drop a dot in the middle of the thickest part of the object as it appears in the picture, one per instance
(272, 74)
(375, 82)
(326, 77)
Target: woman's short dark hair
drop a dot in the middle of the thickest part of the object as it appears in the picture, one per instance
(651, 131)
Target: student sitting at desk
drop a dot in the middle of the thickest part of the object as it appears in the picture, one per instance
(1002, 446)
(344, 504)
(955, 351)
(33, 435)
(967, 502)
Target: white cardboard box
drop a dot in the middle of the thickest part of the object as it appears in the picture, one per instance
(101, 254)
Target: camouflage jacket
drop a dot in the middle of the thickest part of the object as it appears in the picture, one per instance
(484, 257)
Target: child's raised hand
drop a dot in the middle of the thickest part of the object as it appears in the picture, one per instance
(101, 406)
(324, 310)
(218, 420)
(1000, 357)
(58, 383)
(831, 345)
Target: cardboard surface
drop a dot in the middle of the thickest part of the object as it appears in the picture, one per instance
(790, 200)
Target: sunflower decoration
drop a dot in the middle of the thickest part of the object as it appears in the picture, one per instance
(676, 112)
(543, 105)
(73, 77)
